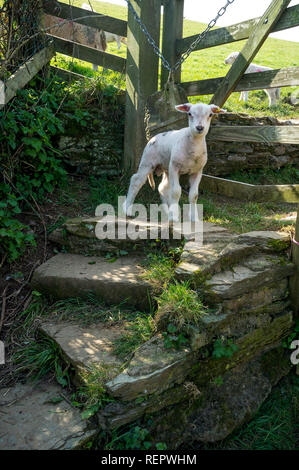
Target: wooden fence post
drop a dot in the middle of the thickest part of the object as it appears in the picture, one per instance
(173, 17)
(141, 76)
(294, 281)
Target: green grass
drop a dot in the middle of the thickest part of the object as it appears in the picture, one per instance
(179, 305)
(244, 217)
(158, 270)
(209, 63)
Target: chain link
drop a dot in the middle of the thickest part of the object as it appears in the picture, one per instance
(191, 48)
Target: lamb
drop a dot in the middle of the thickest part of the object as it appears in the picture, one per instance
(110, 37)
(172, 154)
(273, 93)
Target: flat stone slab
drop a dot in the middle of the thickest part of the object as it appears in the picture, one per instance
(151, 370)
(30, 421)
(248, 276)
(85, 347)
(199, 260)
(69, 275)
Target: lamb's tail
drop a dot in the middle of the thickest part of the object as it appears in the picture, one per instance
(151, 180)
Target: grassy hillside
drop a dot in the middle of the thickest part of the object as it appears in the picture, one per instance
(209, 63)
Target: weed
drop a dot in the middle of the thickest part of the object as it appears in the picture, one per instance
(136, 438)
(174, 339)
(218, 381)
(92, 395)
(224, 348)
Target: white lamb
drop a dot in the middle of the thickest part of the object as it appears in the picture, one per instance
(273, 93)
(172, 154)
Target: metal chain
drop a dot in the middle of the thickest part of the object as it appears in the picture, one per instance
(193, 45)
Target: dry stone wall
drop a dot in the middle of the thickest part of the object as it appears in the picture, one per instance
(225, 158)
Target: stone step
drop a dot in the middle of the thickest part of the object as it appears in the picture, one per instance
(86, 349)
(224, 403)
(98, 235)
(70, 275)
(246, 277)
(94, 236)
(199, 261)
(154, 369)
(39, 418)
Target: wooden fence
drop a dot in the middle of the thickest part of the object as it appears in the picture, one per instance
(142, 77)
(142, 64)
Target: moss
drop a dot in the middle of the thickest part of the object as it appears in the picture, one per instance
(278, 246)
(200, 279)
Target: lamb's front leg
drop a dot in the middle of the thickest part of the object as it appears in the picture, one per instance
(194, 181)
(175, 194)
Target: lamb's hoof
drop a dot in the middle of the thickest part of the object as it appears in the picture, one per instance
(173, 220)
(128, 211)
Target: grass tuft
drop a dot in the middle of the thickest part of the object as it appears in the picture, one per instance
(179, 305)
(39, 358)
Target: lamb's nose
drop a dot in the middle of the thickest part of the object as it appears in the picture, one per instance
(199, 128)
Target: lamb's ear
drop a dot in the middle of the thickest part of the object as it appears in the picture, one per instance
(216, 110)
(183, 108)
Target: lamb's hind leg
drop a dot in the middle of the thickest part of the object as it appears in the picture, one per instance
(175, 194)
(136, 183)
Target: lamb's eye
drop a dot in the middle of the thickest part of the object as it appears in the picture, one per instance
(189, 114)
(211, 115)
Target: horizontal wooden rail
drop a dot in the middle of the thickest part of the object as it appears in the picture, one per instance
(251, 192)
(89, 54)
(250, 81)
(238, 31)
(266, 134)
(26, 72)
(85, 17)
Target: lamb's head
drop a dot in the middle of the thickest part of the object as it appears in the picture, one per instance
(200, 116)
(231, 58)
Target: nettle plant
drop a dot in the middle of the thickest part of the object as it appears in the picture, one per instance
(30, 164)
